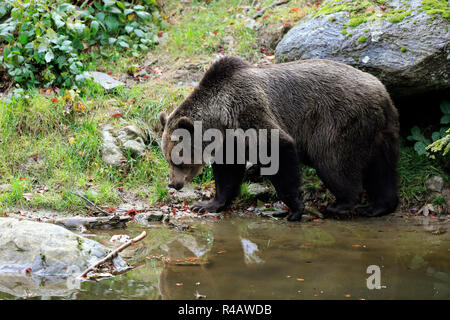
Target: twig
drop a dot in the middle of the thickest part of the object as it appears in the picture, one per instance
(92, 204)
(114, 253)
(273, 4)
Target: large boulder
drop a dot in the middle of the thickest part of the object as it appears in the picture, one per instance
(116, 143)
(406, 44)
(44, 249)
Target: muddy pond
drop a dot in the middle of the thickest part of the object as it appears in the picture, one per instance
(256, 258)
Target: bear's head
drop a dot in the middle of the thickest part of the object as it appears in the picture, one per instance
(180, 173)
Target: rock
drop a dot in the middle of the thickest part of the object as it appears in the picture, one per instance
(186, 194)
(136, 147)
(408, 53)
(5, 188)
(271, 36)
(131, 132)
(446, 194)
(46, 249)
(106, 81)
(145, 217)
(131, 138)
(216, 215)
(228, 40)
(435, 183)
(111, 153)
(27, 287)
(259, 191)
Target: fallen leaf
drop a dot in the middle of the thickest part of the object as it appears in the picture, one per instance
(117, 115)
(179, 284)
(300, 279)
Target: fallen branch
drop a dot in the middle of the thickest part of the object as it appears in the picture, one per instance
(92, 204)
(273, 4)
(92, 222)
(114, 253)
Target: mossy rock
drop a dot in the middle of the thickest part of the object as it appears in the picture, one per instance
(403, 43)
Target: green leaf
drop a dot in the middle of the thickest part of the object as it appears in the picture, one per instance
(123, 44)
(436, 136)
(129, 29)
(98, 6)
(420, 148)
(120, 5)
(112, 24)
(114, 10)
(445, 119)
(445, 107)
(74, 68)
(128, 11)
(415, 131)
(139, 33)
(94, 27)
(49, 56)
(108, 3)
(58, 20)
(143, 15)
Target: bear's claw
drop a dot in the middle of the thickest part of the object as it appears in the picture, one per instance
(210, 206)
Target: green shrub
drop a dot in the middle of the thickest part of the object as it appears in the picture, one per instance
(45, 40)
(441, 138)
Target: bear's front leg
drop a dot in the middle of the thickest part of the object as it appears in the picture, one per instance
(228, 179)
(287, 180)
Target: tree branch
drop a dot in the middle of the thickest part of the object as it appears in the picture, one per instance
(114, 253)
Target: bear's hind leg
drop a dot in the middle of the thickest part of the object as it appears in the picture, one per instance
(380, 182)
(345, 187)
(228, 179)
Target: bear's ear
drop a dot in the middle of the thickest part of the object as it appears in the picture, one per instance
(163, 118)
(185, 123)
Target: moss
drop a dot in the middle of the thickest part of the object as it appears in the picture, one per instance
(403, 49)
(398, 17)
(366, 30)
(356, 58)
(362, 39)
(80, 243)
(356, 21)
(436, 7)
(344, 32)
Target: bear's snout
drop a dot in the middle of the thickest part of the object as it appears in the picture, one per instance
(176, 186)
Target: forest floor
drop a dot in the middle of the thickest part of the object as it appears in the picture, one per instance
(51, 150)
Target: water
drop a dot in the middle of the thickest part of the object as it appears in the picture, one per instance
(254, 258)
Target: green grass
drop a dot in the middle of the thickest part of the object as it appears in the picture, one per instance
(46, 143)
(414, 171)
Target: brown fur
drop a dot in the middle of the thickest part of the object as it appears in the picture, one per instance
(333, 117)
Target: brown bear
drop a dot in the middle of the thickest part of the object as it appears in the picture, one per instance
(330, 116)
